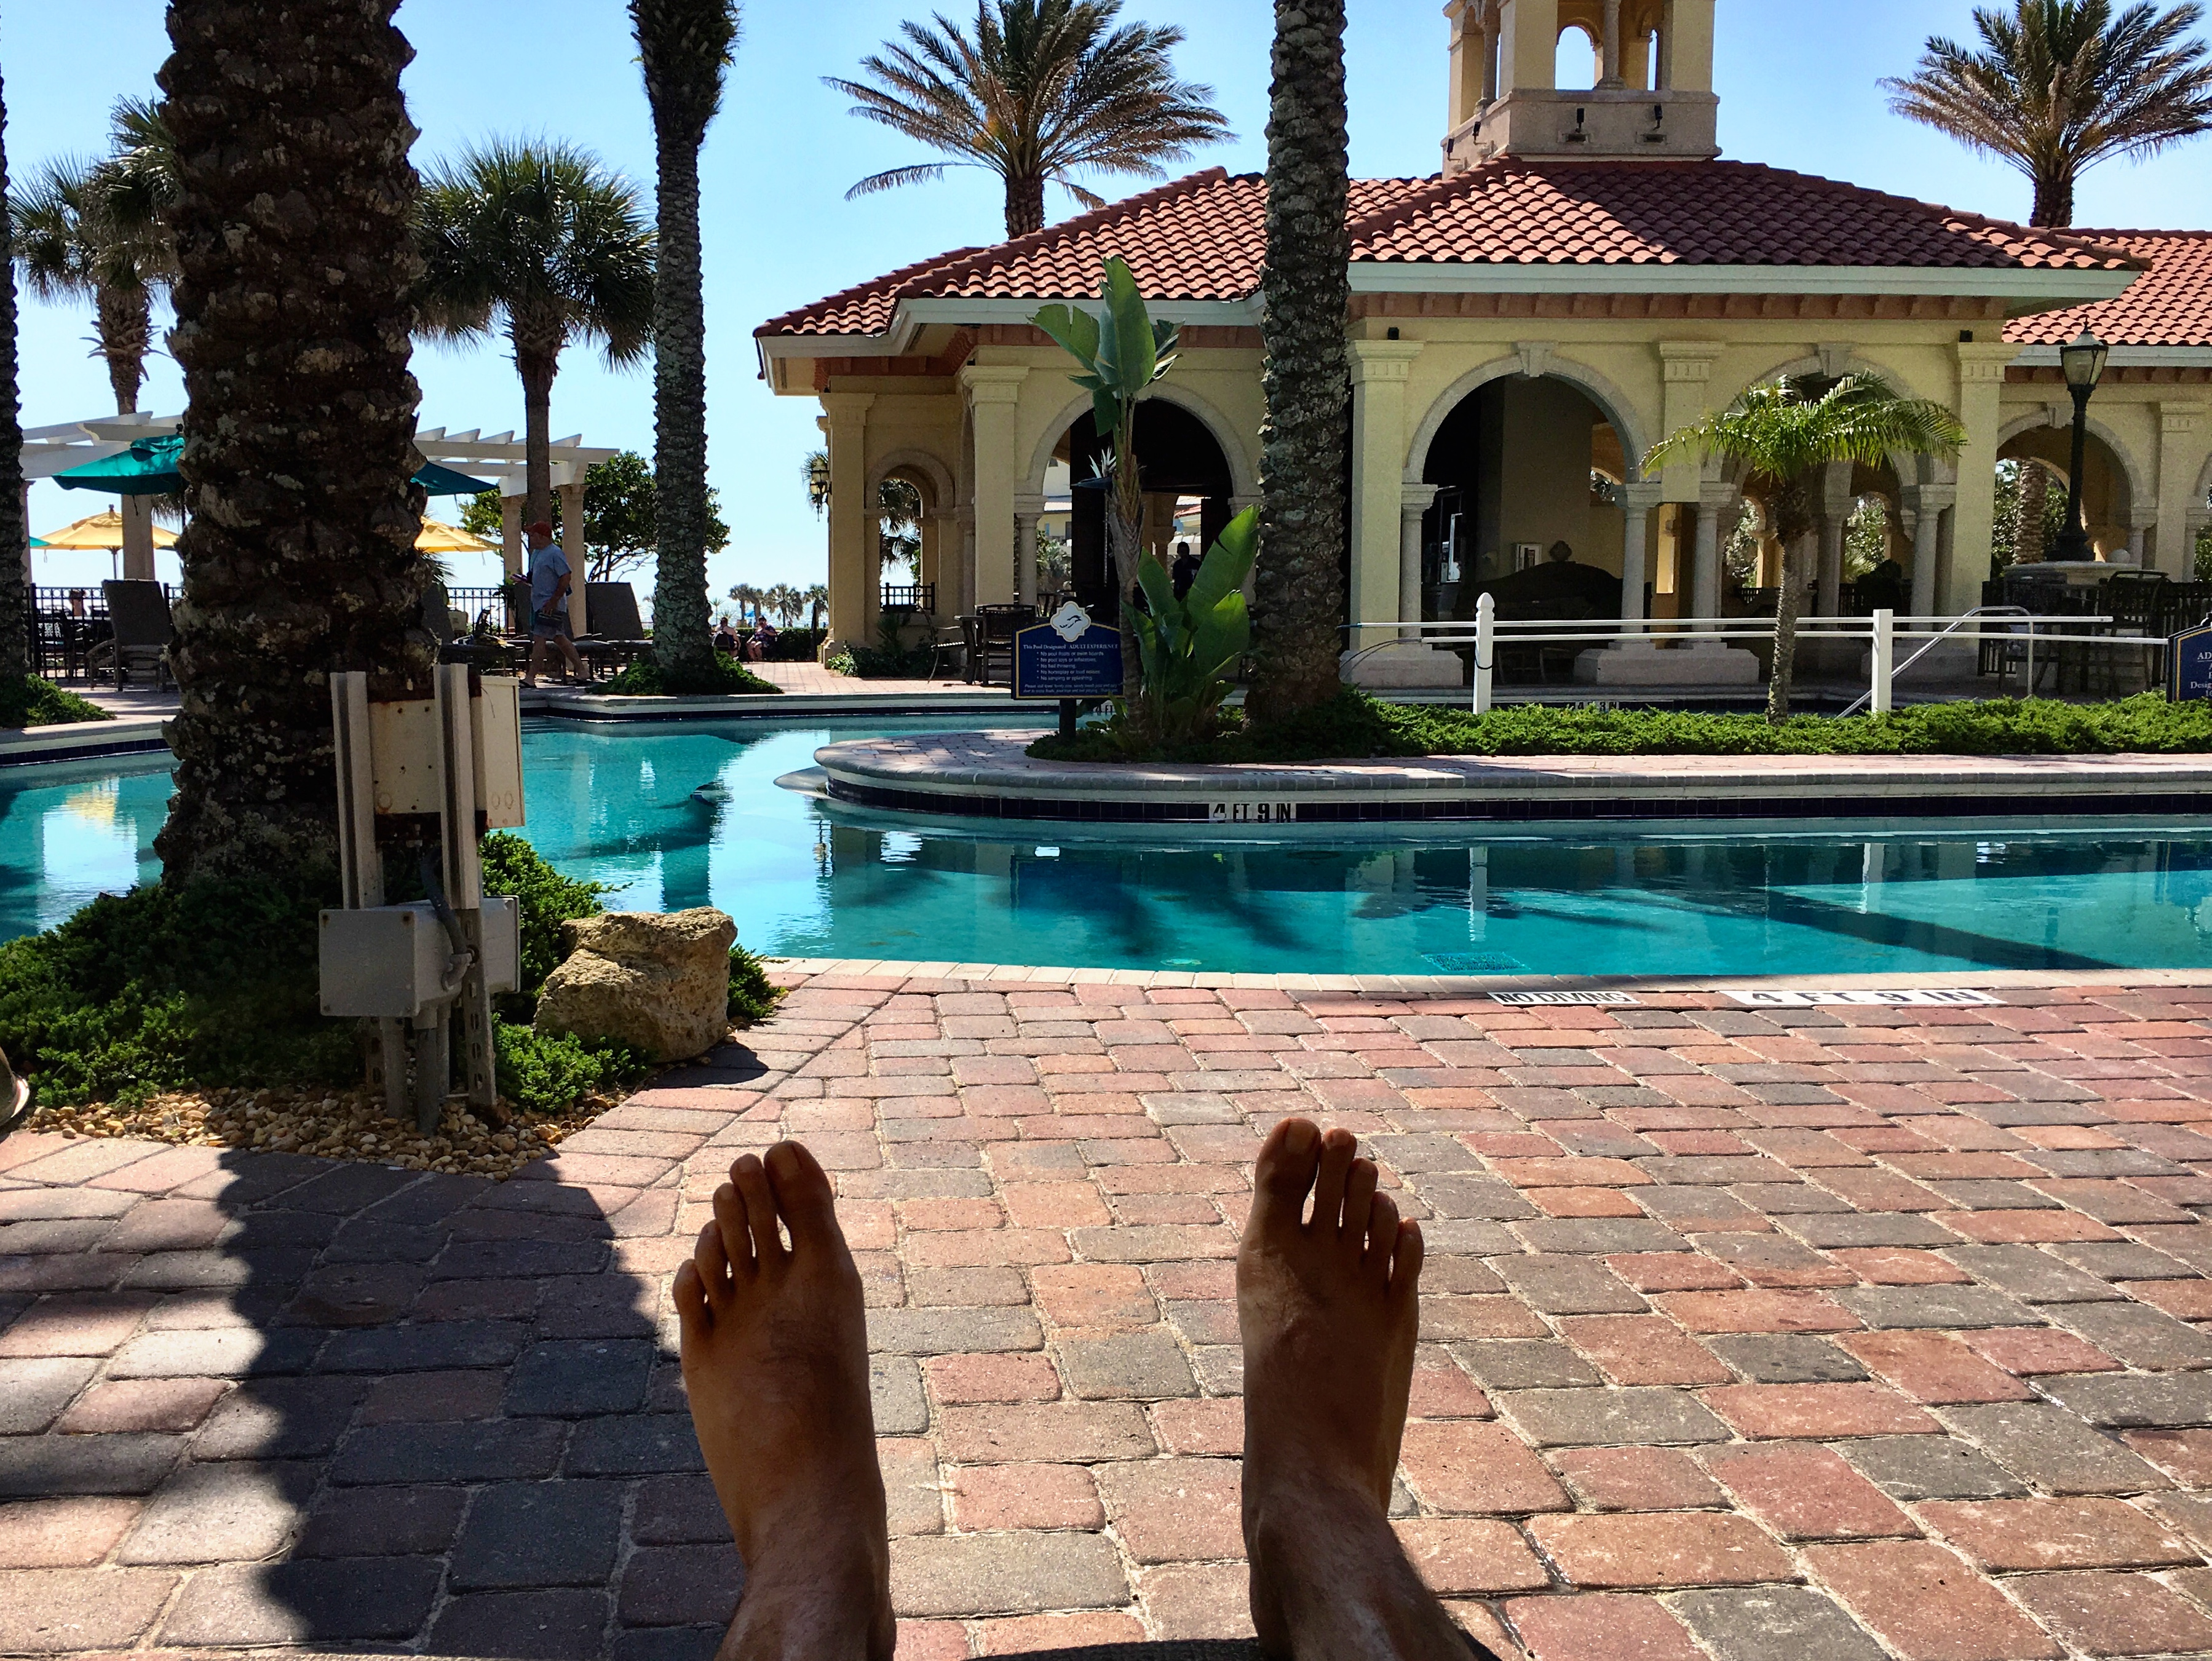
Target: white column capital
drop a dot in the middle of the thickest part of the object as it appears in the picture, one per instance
(845, 409)
(1689, 360)
(1374, 361)
(1414, 500)
(1031, 502)
(1984, 362)
(993, 383)
(1642, 496)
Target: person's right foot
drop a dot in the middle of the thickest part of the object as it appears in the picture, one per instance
(1329, 1315)
(775, 1364)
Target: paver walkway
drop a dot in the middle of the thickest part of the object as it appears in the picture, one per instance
(1822, 1332)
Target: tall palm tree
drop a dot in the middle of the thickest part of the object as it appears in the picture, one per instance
(549, 247)
(1783, 432)
(749, 601)
(293, 330)
(818, 601)
(787, 602)
(2061, 85)
(1042, 90)
(683, 47)
(1305, 294)
(15, 533)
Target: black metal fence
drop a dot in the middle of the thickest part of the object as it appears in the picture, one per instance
(67, 623)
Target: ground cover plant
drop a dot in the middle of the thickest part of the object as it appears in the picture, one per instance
(1353, 726)
(31, 702)
(644, 678)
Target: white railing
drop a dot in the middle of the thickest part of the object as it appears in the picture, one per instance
(2012, 625)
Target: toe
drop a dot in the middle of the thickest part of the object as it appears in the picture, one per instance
(1338, 1148)
(1360, 1199)
(804, 1197)
(733, 1235)
(1405, 1266)
(751, 1176)
(694, 1317)
(710, 1262)
(1381, 1237)
(1285, 1175)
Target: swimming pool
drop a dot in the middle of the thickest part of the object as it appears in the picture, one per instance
(690, 815)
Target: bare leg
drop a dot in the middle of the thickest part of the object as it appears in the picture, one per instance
(536, 662)
(1329, 1315)
(775, 1362)
(568, 652)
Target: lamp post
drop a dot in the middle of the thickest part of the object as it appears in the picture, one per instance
(2083, 362)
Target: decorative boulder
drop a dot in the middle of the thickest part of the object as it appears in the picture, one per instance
(658, 984)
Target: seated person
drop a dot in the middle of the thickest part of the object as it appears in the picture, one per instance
(726, 638)
(775, 1365)
(757, 643)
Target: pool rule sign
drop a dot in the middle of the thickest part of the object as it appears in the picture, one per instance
(1066, 658)
(2189, 664)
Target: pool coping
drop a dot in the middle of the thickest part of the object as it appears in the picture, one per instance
(986, 775)
(85, 740)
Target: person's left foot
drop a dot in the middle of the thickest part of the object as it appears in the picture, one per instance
(775, 1363)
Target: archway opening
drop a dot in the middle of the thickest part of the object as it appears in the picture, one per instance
(1580, 61)
(2033, 475)
(1186, 485)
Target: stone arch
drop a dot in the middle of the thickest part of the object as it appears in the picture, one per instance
(1611, 401)
(2140, 493)
(1910, 470)
(1243, 476)
(937, 474)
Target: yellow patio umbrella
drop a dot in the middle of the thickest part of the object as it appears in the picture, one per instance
(439, 537)
(103, 531)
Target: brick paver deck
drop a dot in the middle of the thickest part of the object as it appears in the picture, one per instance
(1821, 1333)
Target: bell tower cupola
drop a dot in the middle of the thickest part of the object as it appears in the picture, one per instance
(1522, 86)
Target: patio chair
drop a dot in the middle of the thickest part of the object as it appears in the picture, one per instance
(995, 628)
(139, 612)
(951, 643)
(618, 634)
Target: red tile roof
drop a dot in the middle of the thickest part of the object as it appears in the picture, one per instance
(1204, 237)
(2171, 305)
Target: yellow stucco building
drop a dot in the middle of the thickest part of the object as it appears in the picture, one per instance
(1583, 276)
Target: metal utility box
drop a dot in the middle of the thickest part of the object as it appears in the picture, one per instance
(386, 960)
(498, 711)
(408, 761)
(503, 943)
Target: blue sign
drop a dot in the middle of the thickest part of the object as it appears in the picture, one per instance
(2189, 664)
(1052, 662)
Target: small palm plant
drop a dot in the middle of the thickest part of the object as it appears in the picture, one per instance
(1782, 432)
(1187, 648)
(549, 246)
(1042, 90)
(2061, 85)
(1122, 352)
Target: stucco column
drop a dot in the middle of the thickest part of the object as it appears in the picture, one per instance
(1379, 369)
(1834, 506)
(510, 534)
(1713, 505)
(1413, 501)
(2140, 521)
(1028, 507)
(1609, 48)
(1637, 503)
(1471, 59)
(1685, 371)
(1528, 50)
(994, 393)
(573, 549)
(851, 521)
(138, 512)
(1925, 506)
(1981, 384)
(2180, 463)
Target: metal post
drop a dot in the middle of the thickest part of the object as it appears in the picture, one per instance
(1485, 650)
(1885, 659)
(2074, 540)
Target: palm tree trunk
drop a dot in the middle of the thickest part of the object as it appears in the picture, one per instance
(300, 416)
(15, 533)
(682, 632)
(1306, 294)
(123, 328)
(1024, 205)
(537, 361)
(1789, 603)
(2054, 201)
(2034, 503)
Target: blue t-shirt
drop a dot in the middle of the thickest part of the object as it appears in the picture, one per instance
(547, 565)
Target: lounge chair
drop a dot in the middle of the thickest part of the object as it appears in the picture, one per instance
(617, 632)
(138, 611)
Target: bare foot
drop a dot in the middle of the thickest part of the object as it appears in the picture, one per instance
(1330, 1313)
(775, 1362)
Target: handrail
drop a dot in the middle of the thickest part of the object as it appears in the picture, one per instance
(2016, 612)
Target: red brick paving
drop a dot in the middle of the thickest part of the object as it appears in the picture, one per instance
(1932, 1276)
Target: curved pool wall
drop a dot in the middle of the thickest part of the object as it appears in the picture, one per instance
(690, 814)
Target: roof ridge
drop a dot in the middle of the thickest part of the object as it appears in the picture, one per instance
(951, 267)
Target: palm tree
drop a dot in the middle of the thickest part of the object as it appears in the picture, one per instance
(749, 601)
(72, 244)
(1782, 432)
(787, 602)
(15, 533)
(1304, 295)
(2061, 85)
(547, 246)
(1042, 90)
(818, 601)
(683, 47)
(299, 428)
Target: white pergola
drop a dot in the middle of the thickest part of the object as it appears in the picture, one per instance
(497, 456)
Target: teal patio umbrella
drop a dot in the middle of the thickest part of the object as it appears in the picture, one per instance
(149, 468)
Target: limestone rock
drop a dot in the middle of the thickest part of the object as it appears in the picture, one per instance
(658, 983)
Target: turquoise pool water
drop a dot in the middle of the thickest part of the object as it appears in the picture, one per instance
(623, 804)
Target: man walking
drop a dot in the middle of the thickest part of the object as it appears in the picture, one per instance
(550, 582)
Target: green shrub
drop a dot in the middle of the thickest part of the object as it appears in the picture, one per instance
(644, 678)
(842, 663)
(544, 898)
(753, 996)
(550, 1073)
(1354, 726)
(31, 702)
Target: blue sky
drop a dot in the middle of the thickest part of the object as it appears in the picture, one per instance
(1798, 81)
